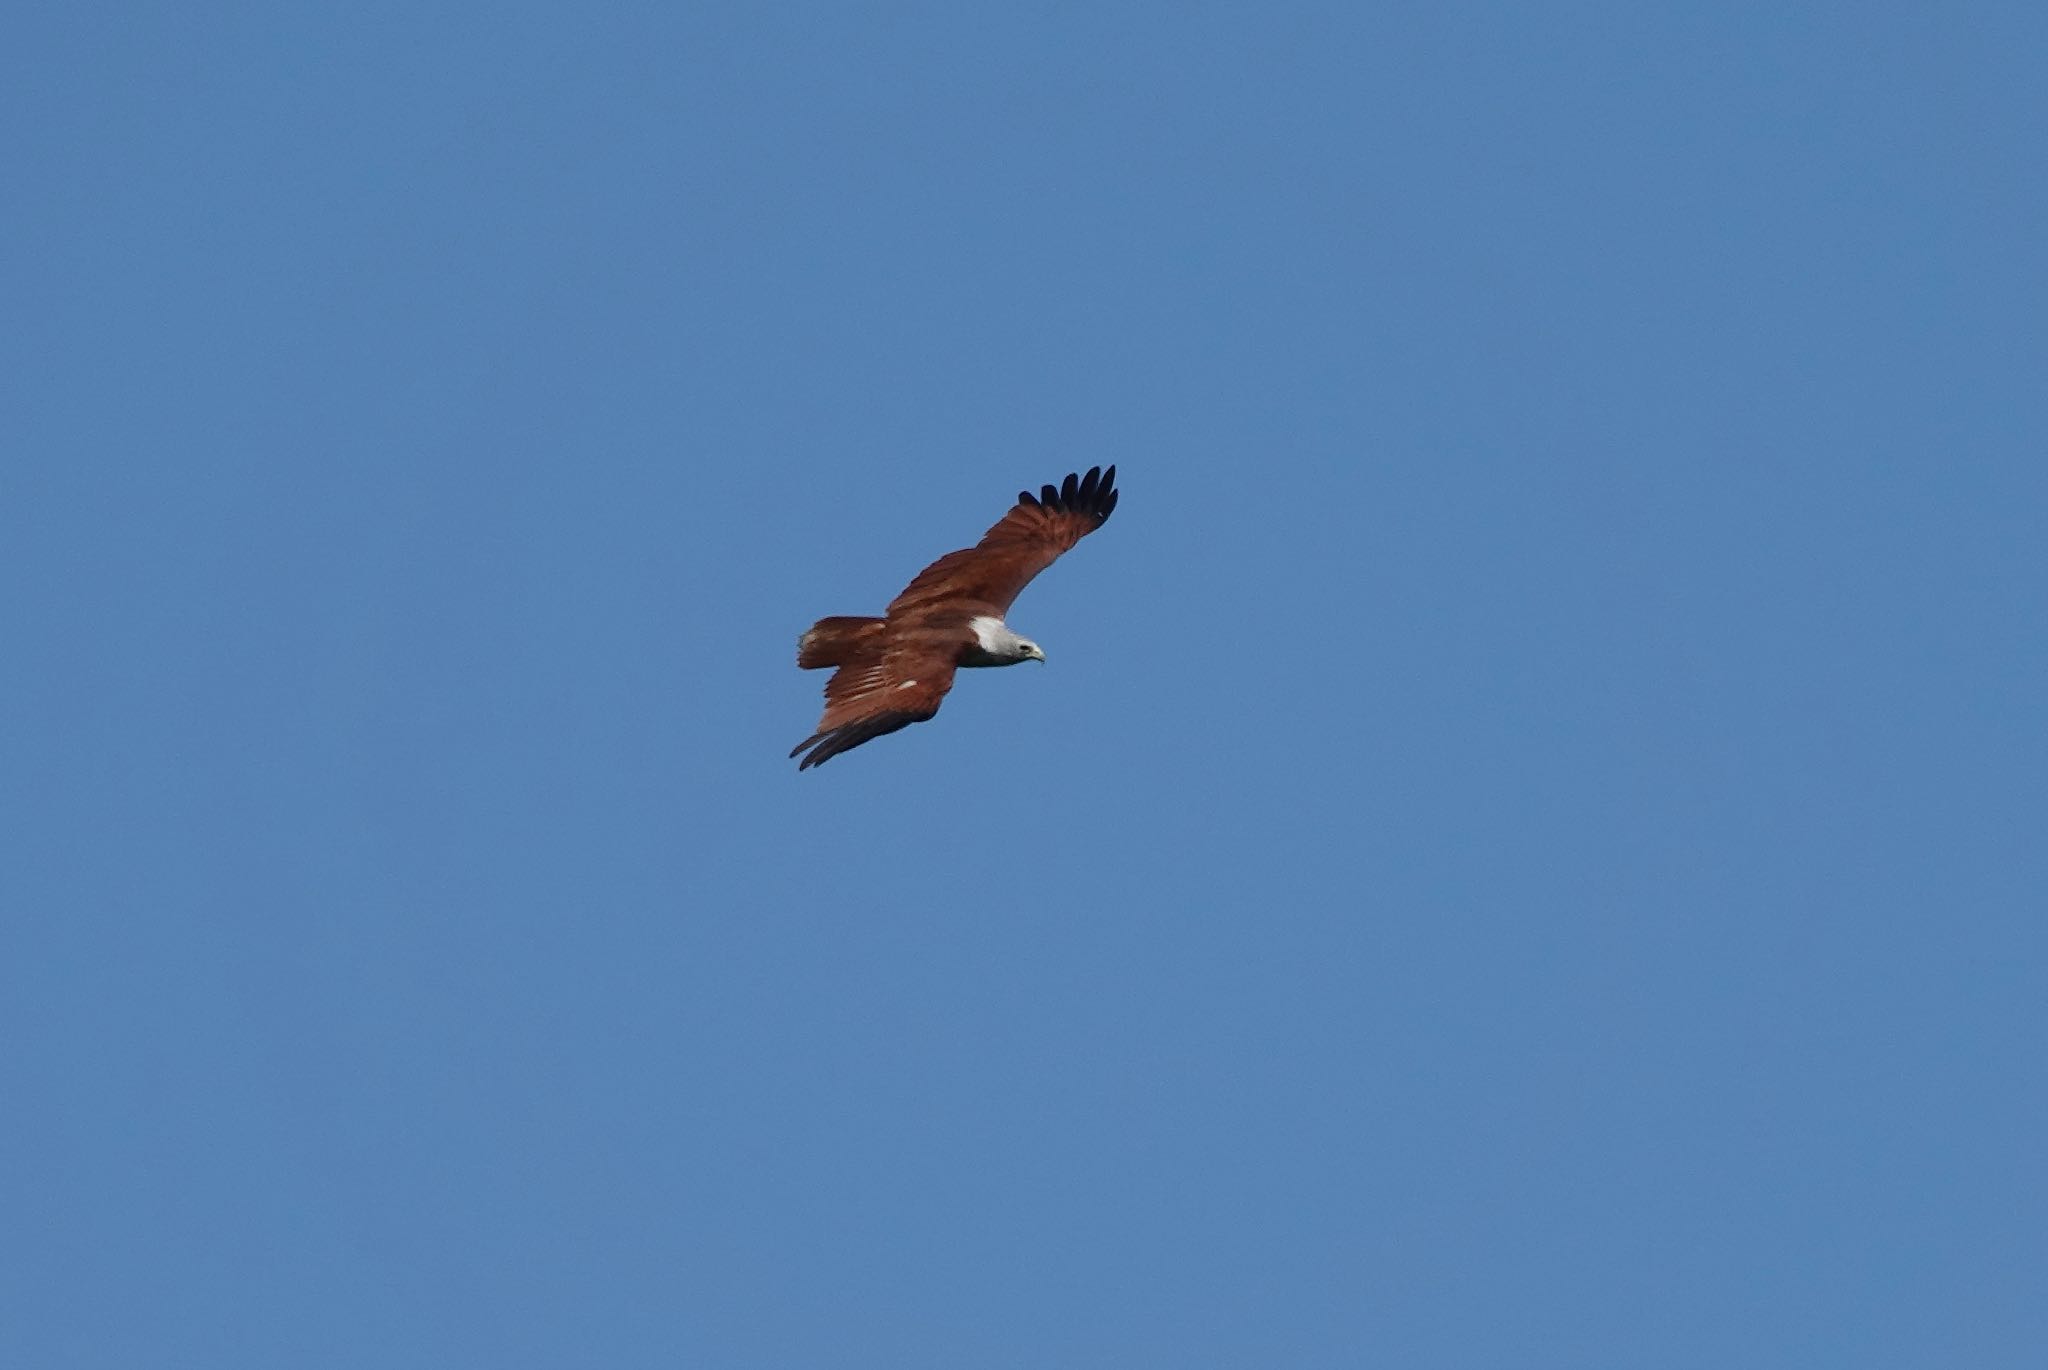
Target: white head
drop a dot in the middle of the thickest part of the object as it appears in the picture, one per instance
(1001, 647)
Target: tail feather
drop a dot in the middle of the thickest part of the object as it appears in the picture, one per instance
(836, 641)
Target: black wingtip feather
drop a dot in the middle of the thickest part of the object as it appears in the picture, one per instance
(1094, 493)
(846, 738)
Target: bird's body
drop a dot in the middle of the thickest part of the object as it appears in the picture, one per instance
(893, 671)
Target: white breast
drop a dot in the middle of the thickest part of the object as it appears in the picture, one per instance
(995, 645)
(994, 637)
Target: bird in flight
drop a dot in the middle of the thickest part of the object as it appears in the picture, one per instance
(894, 670)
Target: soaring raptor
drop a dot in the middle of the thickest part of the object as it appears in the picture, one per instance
(894, 670)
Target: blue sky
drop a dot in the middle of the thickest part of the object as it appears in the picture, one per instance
(1527, 850)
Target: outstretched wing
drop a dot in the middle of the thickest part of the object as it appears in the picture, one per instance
(877, 693)
(1024, 542)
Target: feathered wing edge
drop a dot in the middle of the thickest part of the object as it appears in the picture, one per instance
(826, 745)
(1092, 495)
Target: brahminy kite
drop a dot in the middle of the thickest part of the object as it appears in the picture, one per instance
(894, 670)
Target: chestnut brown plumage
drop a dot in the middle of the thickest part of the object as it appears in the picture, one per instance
(893, 671)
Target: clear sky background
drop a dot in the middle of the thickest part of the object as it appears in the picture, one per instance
(1528, 850)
